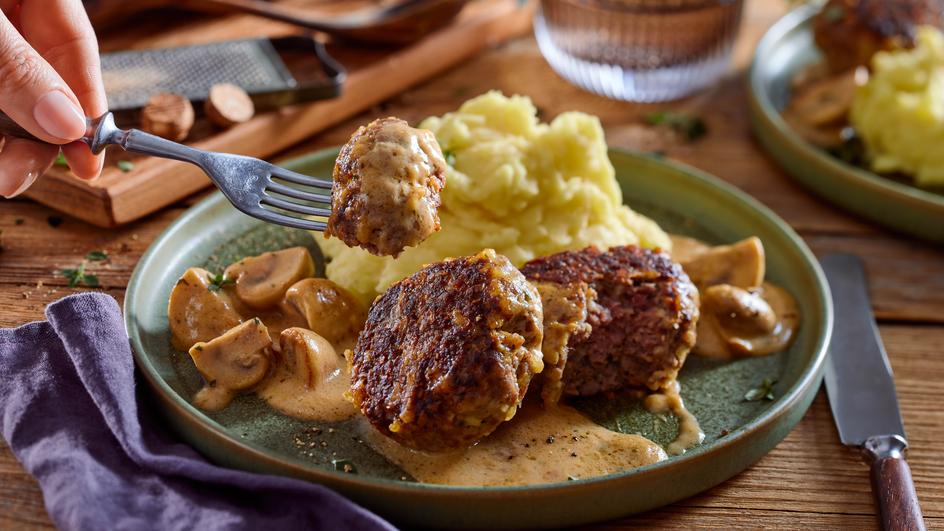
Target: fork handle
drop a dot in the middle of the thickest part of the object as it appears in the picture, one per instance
(103, 132)
(10, 128)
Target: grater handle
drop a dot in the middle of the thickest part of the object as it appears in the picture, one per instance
(10, 128)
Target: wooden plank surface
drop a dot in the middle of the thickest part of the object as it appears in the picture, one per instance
(809, 481)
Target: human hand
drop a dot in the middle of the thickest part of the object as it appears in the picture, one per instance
(50, 80)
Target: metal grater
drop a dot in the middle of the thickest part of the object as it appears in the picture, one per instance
(131, 77)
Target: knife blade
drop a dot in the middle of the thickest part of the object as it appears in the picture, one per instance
(862, 396)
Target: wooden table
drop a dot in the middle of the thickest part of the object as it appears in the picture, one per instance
(810, 481)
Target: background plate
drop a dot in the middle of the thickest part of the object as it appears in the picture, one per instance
(784, 49)
(251, 436)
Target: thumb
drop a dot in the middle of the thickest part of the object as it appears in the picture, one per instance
(33, 94)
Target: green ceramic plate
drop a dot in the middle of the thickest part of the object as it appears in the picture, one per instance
(787, 47)
(249, 435)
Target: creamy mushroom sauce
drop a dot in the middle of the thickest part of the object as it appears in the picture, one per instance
(271, 349)
(308, 378)
(310, 381)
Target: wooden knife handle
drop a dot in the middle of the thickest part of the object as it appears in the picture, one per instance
(893, 487)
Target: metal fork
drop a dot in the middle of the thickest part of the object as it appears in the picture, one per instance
(255, 187)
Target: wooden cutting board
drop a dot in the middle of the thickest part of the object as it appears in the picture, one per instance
(374, 75)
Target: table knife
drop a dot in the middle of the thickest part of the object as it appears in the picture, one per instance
(862, 395)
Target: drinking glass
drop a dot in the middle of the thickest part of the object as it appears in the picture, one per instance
(638, 50)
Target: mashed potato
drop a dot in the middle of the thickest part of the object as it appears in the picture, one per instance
(899, 113)
(518, 186)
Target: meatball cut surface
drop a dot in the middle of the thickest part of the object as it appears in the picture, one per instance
(447, 354)
(387, 180)
(642, 320)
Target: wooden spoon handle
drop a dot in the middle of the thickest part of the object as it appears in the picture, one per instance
(895, 494)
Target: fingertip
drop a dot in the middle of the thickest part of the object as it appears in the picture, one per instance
(21, 163)
(59, 115)
(82, 162)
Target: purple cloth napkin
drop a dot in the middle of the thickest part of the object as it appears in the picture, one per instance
(69, 412)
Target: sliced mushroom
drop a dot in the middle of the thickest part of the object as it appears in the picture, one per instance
(788, 321)
(824, 101)
(684, 249)
(308, 357)
(198, 310)
(235, 361)
(738, 322)
(262, 280)
(710, 342)
(330, 310)
(739, 311)
(824, 136)
(740, 264)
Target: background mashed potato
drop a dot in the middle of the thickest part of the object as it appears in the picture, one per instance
(899, 113)
(518, 186)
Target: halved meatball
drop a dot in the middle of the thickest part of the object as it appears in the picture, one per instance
(387, 180)
(642, 320)
(447, 354)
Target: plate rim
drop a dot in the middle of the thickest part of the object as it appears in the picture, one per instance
(810, 376)
(763, 109)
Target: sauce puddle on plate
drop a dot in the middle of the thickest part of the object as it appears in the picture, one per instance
(538, 446)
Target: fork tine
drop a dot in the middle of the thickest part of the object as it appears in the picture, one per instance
(297, 194)
(288, 221)
(295, 207)
(298, 178)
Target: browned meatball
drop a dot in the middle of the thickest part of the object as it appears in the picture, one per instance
(849, 32)
(447, 354)
(642, 321)
(387, 180)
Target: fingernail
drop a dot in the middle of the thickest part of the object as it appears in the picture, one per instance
(59, 116)
(30, 179)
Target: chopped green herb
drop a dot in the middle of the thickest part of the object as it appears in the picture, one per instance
(344, 465)
(78, 276)
(125, 165)
(218, 281)
(97, 256)
(61, 160)
(19, 221)
(198, 347)
(765, 391)
(690, 127)
(54, 221)
(450, 157)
